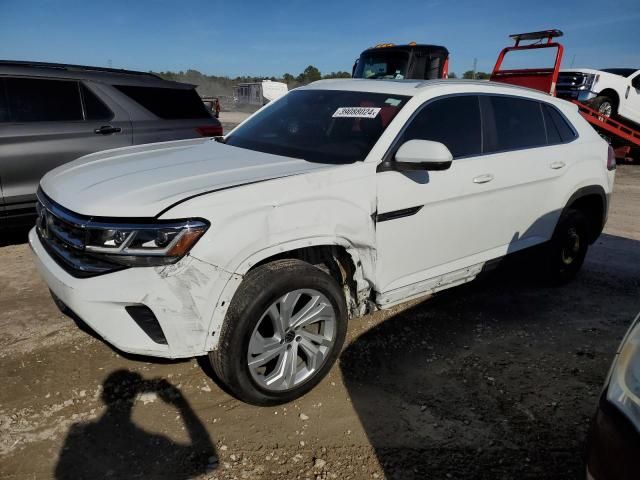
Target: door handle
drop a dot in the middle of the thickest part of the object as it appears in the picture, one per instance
(557, 165)
(107, 130)
(487, 177)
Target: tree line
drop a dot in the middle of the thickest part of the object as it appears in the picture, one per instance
(212, 85)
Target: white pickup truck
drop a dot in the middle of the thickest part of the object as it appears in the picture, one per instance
(612, 91)
(339, 198)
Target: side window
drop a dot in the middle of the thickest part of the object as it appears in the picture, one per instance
(453, 121)
(94, 108)
(558, 129)
(512, 123)
(167, 103)
(4, 107)
(43, 100)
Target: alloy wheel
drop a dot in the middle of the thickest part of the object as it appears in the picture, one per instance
(292, 340)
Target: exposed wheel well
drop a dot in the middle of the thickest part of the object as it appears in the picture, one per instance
(334, 260)
(592, 205)
(612, 94)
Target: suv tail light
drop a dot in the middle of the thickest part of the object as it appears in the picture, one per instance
(611, 159)
(210, 130)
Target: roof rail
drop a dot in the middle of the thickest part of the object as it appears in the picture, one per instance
(67, 66)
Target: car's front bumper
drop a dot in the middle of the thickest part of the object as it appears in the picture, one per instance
(182, 297)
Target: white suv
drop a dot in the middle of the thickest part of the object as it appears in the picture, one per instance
(341, 197)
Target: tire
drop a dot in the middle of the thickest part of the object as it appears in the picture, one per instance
(255, 323)
(568, 247)
(605, 105)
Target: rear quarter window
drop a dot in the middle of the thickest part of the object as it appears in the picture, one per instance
(167, 103)
(558, 129)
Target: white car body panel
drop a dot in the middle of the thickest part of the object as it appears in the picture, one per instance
(263, 205)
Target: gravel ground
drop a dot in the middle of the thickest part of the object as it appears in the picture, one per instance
(497, 379)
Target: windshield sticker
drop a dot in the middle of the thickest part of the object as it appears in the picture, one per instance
(394, 102)
(356, 112)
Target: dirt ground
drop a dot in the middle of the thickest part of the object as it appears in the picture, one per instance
(494, 380)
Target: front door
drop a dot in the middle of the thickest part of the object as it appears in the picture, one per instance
(428, 222)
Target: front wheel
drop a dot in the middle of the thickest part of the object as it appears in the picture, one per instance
(283, 331)
(568, 247)
(606, 106)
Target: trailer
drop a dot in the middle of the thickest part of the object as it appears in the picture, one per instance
(624, 137)
(258, 93)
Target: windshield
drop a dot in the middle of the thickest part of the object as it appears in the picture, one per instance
(328, 126)
(624, 72)
(385, 64)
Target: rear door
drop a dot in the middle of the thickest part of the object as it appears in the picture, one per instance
(51, 122)
(525, 147)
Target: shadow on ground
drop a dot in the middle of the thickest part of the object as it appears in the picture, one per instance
(497, 379)
(114, 447)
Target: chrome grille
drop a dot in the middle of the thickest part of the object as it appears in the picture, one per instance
(571, 80)
(63, 234)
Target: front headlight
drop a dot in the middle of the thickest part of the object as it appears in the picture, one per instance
(624, 384)
(589, 80)
(154, 244)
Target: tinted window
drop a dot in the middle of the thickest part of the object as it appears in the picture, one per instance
(454, 121)
(168, 103)
(513, 123)
(39, 100)
(93, 107)
(553, 135)
(328, 126)
(557, 126)
(4, 107)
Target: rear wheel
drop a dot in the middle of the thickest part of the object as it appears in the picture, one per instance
(284, 330)
(567, 249)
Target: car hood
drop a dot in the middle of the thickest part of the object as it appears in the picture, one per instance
(143, 181)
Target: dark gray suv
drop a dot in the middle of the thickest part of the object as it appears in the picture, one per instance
(54, 113)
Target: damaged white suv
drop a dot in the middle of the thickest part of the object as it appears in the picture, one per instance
(339, 198)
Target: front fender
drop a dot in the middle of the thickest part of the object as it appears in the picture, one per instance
(252, 223)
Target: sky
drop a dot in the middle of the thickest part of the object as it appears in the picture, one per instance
(269, 38)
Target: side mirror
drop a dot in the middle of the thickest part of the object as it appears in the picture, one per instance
(422, 155)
